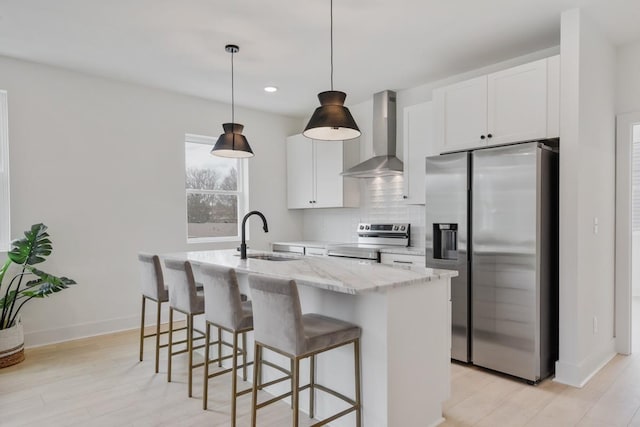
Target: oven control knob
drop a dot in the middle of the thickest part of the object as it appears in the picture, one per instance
(395, 228)
(402, 228)
(366, 227)
(362, 227)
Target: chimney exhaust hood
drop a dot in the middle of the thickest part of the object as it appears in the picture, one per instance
(384, 162)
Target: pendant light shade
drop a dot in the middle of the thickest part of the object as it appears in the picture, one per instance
(332, 121)
(232, 143)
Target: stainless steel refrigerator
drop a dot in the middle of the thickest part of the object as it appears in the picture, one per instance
(492, 214)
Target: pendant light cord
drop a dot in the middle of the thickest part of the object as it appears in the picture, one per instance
(331, 13)
(232, 92)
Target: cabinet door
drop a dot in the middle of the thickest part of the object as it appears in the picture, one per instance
(461, 115)
(517, 103)
(418, 143)
(299, 172)
(328, 167)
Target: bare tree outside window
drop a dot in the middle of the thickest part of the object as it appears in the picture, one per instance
(214, 192)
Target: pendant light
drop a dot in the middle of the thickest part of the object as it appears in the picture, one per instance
(332, 121)
(232, 143)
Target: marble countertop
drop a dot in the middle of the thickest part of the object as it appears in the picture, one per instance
(404, 250)
(335, 274)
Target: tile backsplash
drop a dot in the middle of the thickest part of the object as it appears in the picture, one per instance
(380, 201)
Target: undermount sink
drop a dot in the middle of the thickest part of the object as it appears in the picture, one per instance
(267, 257)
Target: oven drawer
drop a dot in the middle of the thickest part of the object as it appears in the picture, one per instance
(401, 259)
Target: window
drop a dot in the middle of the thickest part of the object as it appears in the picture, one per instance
(216, 192)
(5, 227)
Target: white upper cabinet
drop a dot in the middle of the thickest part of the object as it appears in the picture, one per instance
(513, 105)
(418, 143)
(517, 103)
(461, 115)
(313, 175)
(300, 172)
(329, 183)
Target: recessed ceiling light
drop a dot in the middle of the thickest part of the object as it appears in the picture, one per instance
(270, 89)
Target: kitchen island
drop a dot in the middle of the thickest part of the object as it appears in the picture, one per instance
(406, 328)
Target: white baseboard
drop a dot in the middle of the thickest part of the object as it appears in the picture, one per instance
(84, 330)
(577, 375)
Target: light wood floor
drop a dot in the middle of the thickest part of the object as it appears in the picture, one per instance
(99, 382)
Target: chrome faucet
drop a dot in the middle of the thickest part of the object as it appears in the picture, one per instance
(243, 244)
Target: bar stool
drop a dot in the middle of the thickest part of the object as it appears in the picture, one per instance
(185, 298)
(224, 309)
(281, 327)
(153, 288)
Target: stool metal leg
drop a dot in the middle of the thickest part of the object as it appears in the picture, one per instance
(356, 352)
(257, 362)
(292, 378)
(205, 387)
(170, 346)
(295, 399)
(244, 356)
(190, 351)
(219, 347)
(159, 306)
(142, 327)
(234, 379)
(312, 382)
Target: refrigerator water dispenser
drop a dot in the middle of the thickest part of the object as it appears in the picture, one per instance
(445, 241)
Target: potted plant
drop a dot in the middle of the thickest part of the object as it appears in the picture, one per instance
(26, 283)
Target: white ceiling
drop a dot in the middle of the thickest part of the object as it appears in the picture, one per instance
(379, 44)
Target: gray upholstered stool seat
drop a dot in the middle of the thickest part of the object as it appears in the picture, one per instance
(280, 326)
(225, 310)
(153, 288)
(185, 298)
(322, 332)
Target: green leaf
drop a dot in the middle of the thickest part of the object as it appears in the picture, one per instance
(45, 285)
(5, 302)
(33, 248)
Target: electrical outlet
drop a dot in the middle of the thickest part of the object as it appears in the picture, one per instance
(595, 225)
(595, 325)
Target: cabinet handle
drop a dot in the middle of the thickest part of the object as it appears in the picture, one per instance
(405, 197)
(489, 136)
(310, 201)
(402, 262)
(481, 136)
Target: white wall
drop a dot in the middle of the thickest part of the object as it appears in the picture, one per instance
(635, 264)
(102, 164)
(627, 81)
(587, 189)
(628, 101)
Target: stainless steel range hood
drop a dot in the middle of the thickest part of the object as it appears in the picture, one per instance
(384, 162)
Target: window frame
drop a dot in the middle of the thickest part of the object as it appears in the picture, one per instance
(242, 193)
(5, 199)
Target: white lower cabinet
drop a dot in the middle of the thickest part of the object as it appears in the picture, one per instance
(402, 259)
(313, 175)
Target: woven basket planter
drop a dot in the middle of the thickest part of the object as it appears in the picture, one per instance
(11, 345)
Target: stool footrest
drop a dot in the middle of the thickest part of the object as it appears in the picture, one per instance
(334, 417)
(333, 393)
(272, 400)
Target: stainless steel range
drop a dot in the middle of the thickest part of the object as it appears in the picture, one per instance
(372, 238)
